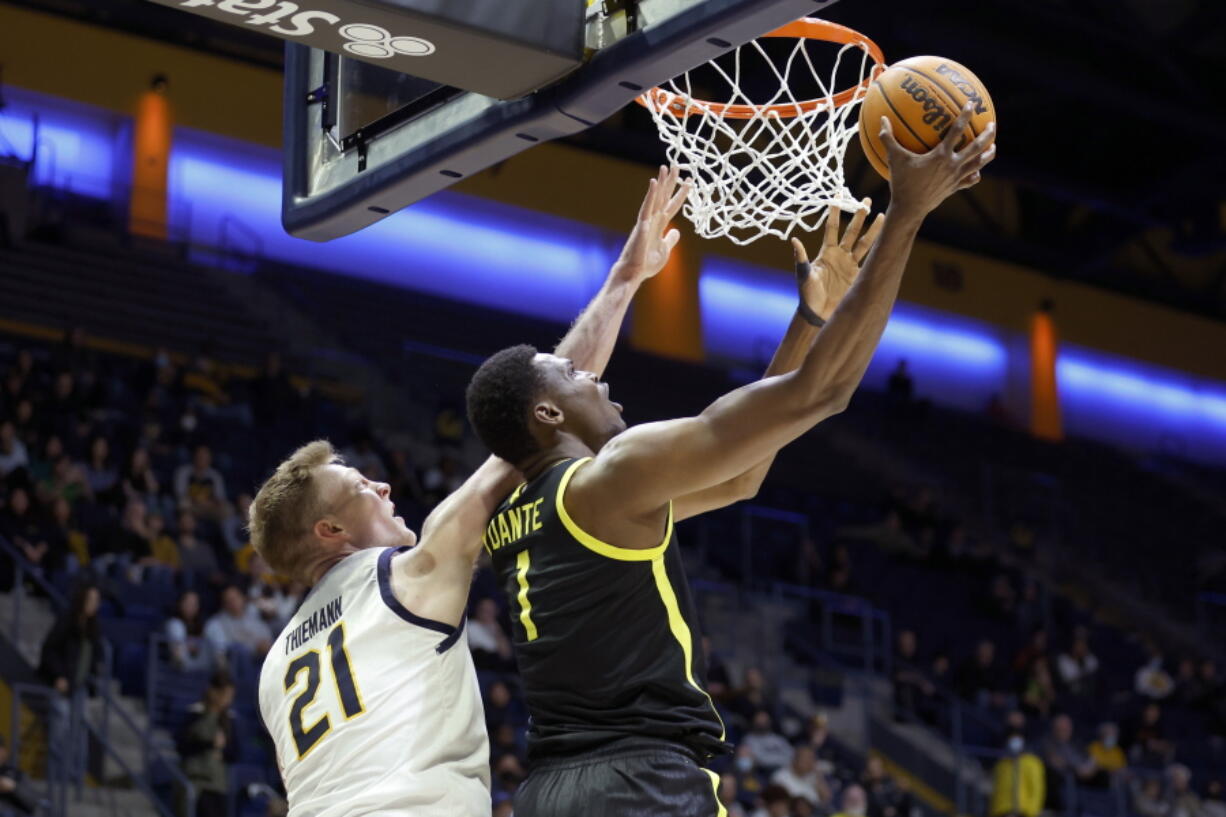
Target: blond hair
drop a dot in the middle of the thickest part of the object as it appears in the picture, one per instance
(286, 508)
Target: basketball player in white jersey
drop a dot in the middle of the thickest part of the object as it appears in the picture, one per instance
(370, 693)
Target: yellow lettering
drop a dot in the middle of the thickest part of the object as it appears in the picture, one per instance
(517, 527)
(536, 514)
(503, 532)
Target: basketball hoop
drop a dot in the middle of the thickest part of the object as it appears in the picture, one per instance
(759, 169)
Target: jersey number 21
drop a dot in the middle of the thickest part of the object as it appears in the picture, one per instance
(305, 737)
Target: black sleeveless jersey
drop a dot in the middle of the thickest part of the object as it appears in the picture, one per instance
(606, 637)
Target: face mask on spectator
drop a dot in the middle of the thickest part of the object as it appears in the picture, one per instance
(1016, 744)
(1109, 741)
(855, 811)
(744, 764)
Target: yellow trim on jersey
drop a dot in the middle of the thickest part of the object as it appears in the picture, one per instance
(722, 812)
(591, 542)
(522, 561)
(681, 630)
(515, 494)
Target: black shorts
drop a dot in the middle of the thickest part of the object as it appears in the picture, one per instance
(621, 781)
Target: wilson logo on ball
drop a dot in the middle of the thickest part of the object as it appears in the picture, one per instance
(935, 114)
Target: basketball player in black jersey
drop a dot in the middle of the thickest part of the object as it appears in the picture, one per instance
(604, 628)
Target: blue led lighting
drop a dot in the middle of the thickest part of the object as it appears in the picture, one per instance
(953, 360)
(547, 267)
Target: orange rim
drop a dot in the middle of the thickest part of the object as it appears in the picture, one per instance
(806, 28)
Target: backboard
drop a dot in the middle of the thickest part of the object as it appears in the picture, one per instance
(362, 141)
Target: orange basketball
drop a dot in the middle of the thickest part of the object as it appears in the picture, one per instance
(922, 96)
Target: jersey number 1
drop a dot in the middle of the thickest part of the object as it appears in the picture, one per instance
(305, 738)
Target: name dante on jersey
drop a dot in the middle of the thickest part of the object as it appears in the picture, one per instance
(512, 525)
(324, 617)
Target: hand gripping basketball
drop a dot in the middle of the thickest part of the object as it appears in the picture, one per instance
(919, 182)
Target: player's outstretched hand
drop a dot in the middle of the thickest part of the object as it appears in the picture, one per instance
(919, 182)
(649, 246)
(824, 282)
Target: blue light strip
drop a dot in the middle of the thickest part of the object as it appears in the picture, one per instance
(547, 267)
(953, 360)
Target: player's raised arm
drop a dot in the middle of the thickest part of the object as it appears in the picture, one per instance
(452, 532)
(640, 471)
(591, 338)
(822, 286)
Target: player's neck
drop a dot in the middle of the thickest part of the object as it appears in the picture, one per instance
(566, 448)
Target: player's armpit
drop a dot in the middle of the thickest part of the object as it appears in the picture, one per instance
(735, 490)
(433, 579)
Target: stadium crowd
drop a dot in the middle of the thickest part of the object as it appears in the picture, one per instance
(120, 475)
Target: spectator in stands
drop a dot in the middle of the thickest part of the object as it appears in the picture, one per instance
(1152, 679)
(1064, 758)
(71, 655)
(817, 737)
(65, 480)
(204, 744)
(719, 680)
(236, 624)
(801, 777)
(189, 650)
(1034, 649)
(769, 749)
(1149, 746)
(63, 406)
(20, 525)
(274, 602)
(13, 453)
(1078, 668)
(200, 487)
(1039, 690)
(854, 802)
(162, 546)
(913, 692)
(65, 538)
(886, 798)
(15, 793)
(1018, 781)
(101, 474)
(139, 481)
(1147, 798)
(132, 540)
(26, 423)
(196, 557)
(776, 802)
(749, 783)
(205, 381)
(1109, 758)
(488, 641)
(501, 708)
(1183, 800)
(234, 526)
(1214, 804)
(729, 795)
(840, 579)
(1001, 602)
(43, 460)
(442, 479)
(981, 679)
(753, 696)
(900, 387)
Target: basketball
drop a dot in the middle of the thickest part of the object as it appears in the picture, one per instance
(922, 97)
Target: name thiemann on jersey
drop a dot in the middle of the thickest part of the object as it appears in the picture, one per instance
(320, 620)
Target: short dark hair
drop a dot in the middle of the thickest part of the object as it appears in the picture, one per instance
(500, 398)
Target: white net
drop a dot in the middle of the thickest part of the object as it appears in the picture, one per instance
(777, 171)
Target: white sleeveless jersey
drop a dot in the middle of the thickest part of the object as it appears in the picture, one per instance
(374, 711)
